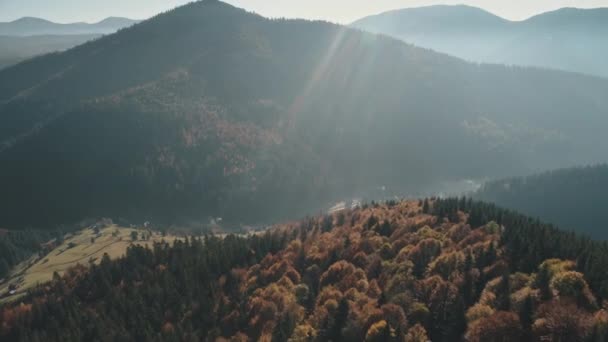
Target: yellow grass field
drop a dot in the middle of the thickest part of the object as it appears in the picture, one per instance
(76, 249)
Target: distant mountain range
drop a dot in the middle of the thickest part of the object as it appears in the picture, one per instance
(35, 26)
(16, 49)
(568, 39)
(29, 37)
(211, 111)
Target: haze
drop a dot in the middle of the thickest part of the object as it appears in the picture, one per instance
(343, 11)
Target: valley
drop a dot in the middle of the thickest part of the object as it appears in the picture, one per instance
(423, 174)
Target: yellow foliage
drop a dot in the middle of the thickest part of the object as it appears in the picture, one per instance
(417, 333)
(478, 311)
(303, 333)
(376, 331)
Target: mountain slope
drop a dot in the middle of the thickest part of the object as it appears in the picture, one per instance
(568, 39)
(572, 198)
(439, 18)
(210, 110)
(29, 26)
(440, 270)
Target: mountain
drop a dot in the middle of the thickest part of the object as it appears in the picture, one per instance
(17, 49)
(568, 39)
(29, 26)
(30, 37)
(440, 270)
(572, 198)
(210, 111)
(435, 19)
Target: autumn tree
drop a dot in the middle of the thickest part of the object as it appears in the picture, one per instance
(502, 326)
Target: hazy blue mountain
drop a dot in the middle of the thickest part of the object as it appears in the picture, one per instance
(29, 37)
(573, 198)
(211, 110)
(16, 49)
(29, 26)
(568, 39)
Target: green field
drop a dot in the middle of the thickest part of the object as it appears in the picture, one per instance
(78, 248)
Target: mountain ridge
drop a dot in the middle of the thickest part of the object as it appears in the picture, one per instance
(34, 26)
(209, 110)
(565, 39)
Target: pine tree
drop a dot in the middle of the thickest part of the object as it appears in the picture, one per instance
(543, 279)
(284, 328)
(503, 293)
(425, 207)
(339, 321)
(4, 268)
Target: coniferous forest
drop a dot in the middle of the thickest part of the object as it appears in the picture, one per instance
(440, 270)
(573, 198)
(209, 110)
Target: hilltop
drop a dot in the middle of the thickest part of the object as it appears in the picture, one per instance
(439, 270)
(211, 111)
(567, 39)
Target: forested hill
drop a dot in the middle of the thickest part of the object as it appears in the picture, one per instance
(572, 198)
(208, 110)
(440, 270)
(567, 39)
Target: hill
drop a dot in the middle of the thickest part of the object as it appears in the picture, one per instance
(17, 49)
(567, 39)
(77, 249)
(439, 270)
(29, 26)
(571, 198)
(210, 111)
(30, 37)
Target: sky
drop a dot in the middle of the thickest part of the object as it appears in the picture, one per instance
(340, 11)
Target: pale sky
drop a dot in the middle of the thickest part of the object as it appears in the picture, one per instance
(341, 11)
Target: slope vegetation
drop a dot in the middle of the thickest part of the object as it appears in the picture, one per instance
(208, 110)
(440, 270)
(571, 198)
(81, 248)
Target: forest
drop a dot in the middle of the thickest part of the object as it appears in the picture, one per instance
(208, 110)
(435, 269)
(571, 198)
(17, 245)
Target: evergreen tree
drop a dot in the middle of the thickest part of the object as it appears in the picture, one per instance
(284, 328)
(339, 321)
(503, 293)
(425, 207)
(4, 268)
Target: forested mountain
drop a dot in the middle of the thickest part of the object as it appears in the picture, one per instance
(15, 49)
(440, 270)
(572, 198)
(35, 27)
(210, 110)
(568, 39)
